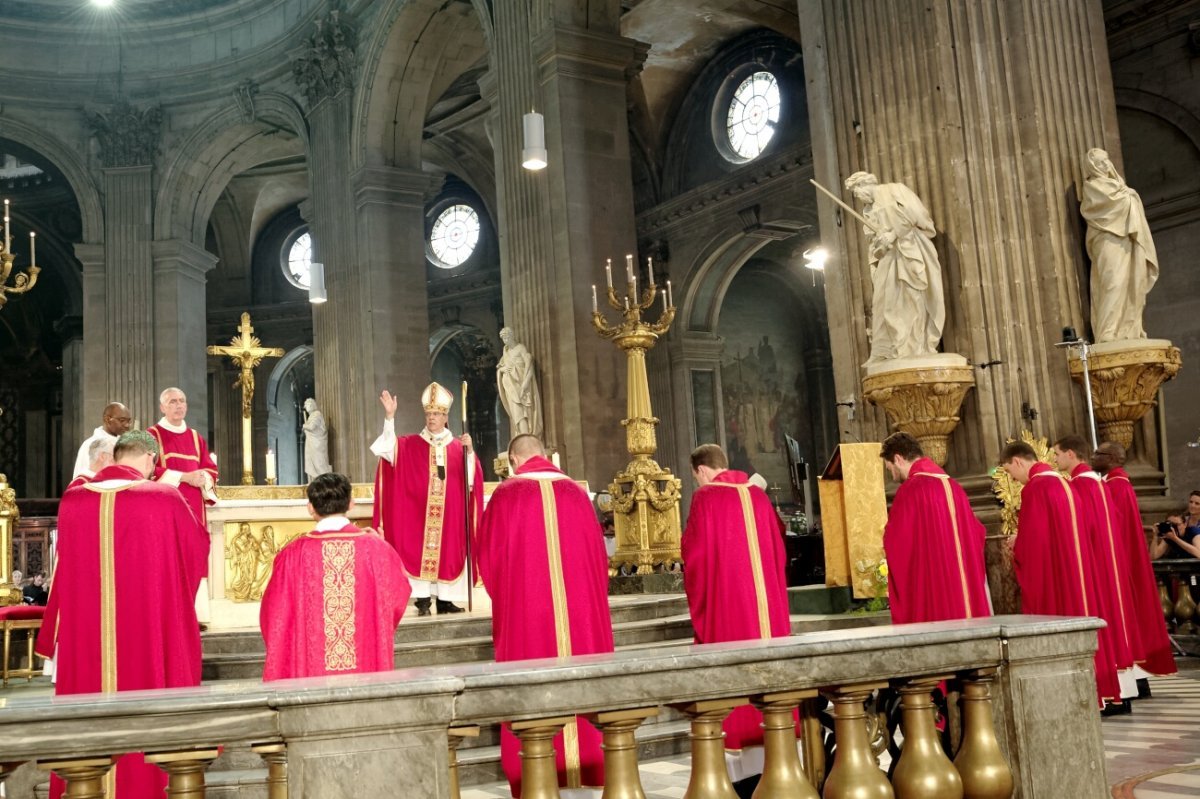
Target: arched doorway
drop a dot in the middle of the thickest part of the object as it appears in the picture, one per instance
(290, 384)
(459, 352)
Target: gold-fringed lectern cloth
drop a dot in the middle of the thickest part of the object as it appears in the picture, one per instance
(853, 515)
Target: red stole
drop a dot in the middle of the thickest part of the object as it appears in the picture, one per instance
(332, 605)
(1131, 537)
(184, 452)
(421, 516)
(934, 548)
(130, 560)
(1052, 557)
(734, 560)
(542, 559)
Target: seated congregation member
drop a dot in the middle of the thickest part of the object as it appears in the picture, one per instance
(933, 542)
(336, 594)
(542, 560)
(733, 573)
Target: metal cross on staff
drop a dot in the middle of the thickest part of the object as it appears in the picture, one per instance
(246, 352)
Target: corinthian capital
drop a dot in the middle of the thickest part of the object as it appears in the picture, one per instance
(326, 66)
(128, 136)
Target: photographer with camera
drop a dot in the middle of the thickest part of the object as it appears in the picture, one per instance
(1174, 539)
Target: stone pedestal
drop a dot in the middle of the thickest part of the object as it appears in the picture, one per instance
(922, 396)
(1125, 377)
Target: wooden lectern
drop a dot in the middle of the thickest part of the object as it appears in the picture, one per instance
(853, 514)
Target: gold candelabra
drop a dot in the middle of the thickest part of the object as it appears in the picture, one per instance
(22, 281)
(645, 496)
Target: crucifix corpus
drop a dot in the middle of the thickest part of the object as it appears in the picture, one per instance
(246, 352)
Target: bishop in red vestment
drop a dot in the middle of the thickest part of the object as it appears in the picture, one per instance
(933, 542)
(1052, 555)
(130, 558)
(336, 594)
(420, 500)
(183, 457)
(733, 573)
(1109, 460)
(543, 562)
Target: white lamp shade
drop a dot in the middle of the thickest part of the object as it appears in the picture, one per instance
(316, 283)
(533, 155)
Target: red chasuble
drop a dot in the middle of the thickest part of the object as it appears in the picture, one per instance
(542, 559)
(184, 452)
(333, 604)
(130, 558)
(1052, 558)
(934, 548)
(421, 516)
(1127, 526)
(1112, 572)
(733, 573)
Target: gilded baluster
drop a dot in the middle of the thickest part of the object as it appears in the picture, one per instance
(984, 771)
(923, 771)
(855, 774)
(539, 777)
(709, 778)
(1164, 599)
(1185, 607)
(185, 770)
(275, 756)
(85, 776)
(621, 777)
(455, 737)
(782, 775)
(813, 741)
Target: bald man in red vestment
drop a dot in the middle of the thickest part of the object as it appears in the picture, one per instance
(130, 557)
(543, 562)
(1109, 460)
(1052, 555)
(933, 542)
(733, 573)
(336, 594)
(1115, 591)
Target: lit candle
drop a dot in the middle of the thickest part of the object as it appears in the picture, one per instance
(270, 464)
(629, 267)
(555, 461)
(633, 287)
(650, 268)
(7, 237)
(626, 302)
(32, 248)
(663, 292)
(608, 272)
(670, 296)
(595, 303)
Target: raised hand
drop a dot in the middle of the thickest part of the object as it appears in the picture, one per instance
(389, 404)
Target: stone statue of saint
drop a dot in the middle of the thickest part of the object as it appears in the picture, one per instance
(316, 441)
(1124, 262)
(518, 387)
(908, 308)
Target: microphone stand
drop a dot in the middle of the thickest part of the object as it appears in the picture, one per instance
(1071, 341)
(467, 471)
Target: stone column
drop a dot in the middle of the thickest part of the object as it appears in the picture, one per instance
(985, 108)
(558, 225)
(181, 330)
(74, 418)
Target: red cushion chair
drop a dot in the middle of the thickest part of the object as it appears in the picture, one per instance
(19, 617)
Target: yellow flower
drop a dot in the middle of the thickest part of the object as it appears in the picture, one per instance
(883, 569)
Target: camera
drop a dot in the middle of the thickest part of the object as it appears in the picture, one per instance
(1163, 528)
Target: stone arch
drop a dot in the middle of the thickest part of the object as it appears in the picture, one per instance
(225, 144)
(475, 352)
(70, 162)
(1162, 107)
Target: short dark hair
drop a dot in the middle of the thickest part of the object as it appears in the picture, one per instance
(710, 455)
(1017, 449)
(134, 442)
(526, 445)
(1074, 443)
(329, 493)
(902, 444)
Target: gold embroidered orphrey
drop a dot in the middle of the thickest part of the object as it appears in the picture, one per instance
(435, 518)
(337, 560)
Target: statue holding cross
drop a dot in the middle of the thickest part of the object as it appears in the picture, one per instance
(246, 352)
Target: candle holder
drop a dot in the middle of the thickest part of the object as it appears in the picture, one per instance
(22, 281)
(271, 481)
(645, 496)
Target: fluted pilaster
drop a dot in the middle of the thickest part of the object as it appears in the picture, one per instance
(180, 268)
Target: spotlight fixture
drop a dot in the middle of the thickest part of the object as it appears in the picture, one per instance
(316, 283)
(815, 258)
(103, 3)
(534, 156)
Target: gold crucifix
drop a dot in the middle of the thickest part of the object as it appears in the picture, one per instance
(246, 352)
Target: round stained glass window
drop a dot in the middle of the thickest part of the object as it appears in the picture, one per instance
(298, 260)
(753, 114)
(454, 236)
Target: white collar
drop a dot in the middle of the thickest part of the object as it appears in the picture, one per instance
(100, 431)
(105, 485)
(163, 423)
(337, 522)
(437, 439)
(541, 476)
(1092, 475)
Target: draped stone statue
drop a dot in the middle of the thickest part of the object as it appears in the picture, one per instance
(518, 386)
(1124, 262)
(908, 309)
(316, 441)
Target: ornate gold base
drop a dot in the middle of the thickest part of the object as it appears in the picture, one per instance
(1125, 377)
(922, 396)
(645, 506)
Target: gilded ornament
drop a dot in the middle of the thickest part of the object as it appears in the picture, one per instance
(922, 401)
(1125, 378)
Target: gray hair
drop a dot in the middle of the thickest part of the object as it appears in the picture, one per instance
(100, 446)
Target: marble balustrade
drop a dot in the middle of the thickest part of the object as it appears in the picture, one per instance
(395, 732)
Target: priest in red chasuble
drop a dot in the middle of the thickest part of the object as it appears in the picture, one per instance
(183, 457)
(543, 562)
(933, 542)
(1109, 460)
(1052, 554)
(1114, 591)
(733, 573)
(336, 594)
(420, 500)
(130, 557)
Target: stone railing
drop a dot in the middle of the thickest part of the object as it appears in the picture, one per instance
(1028, 717)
